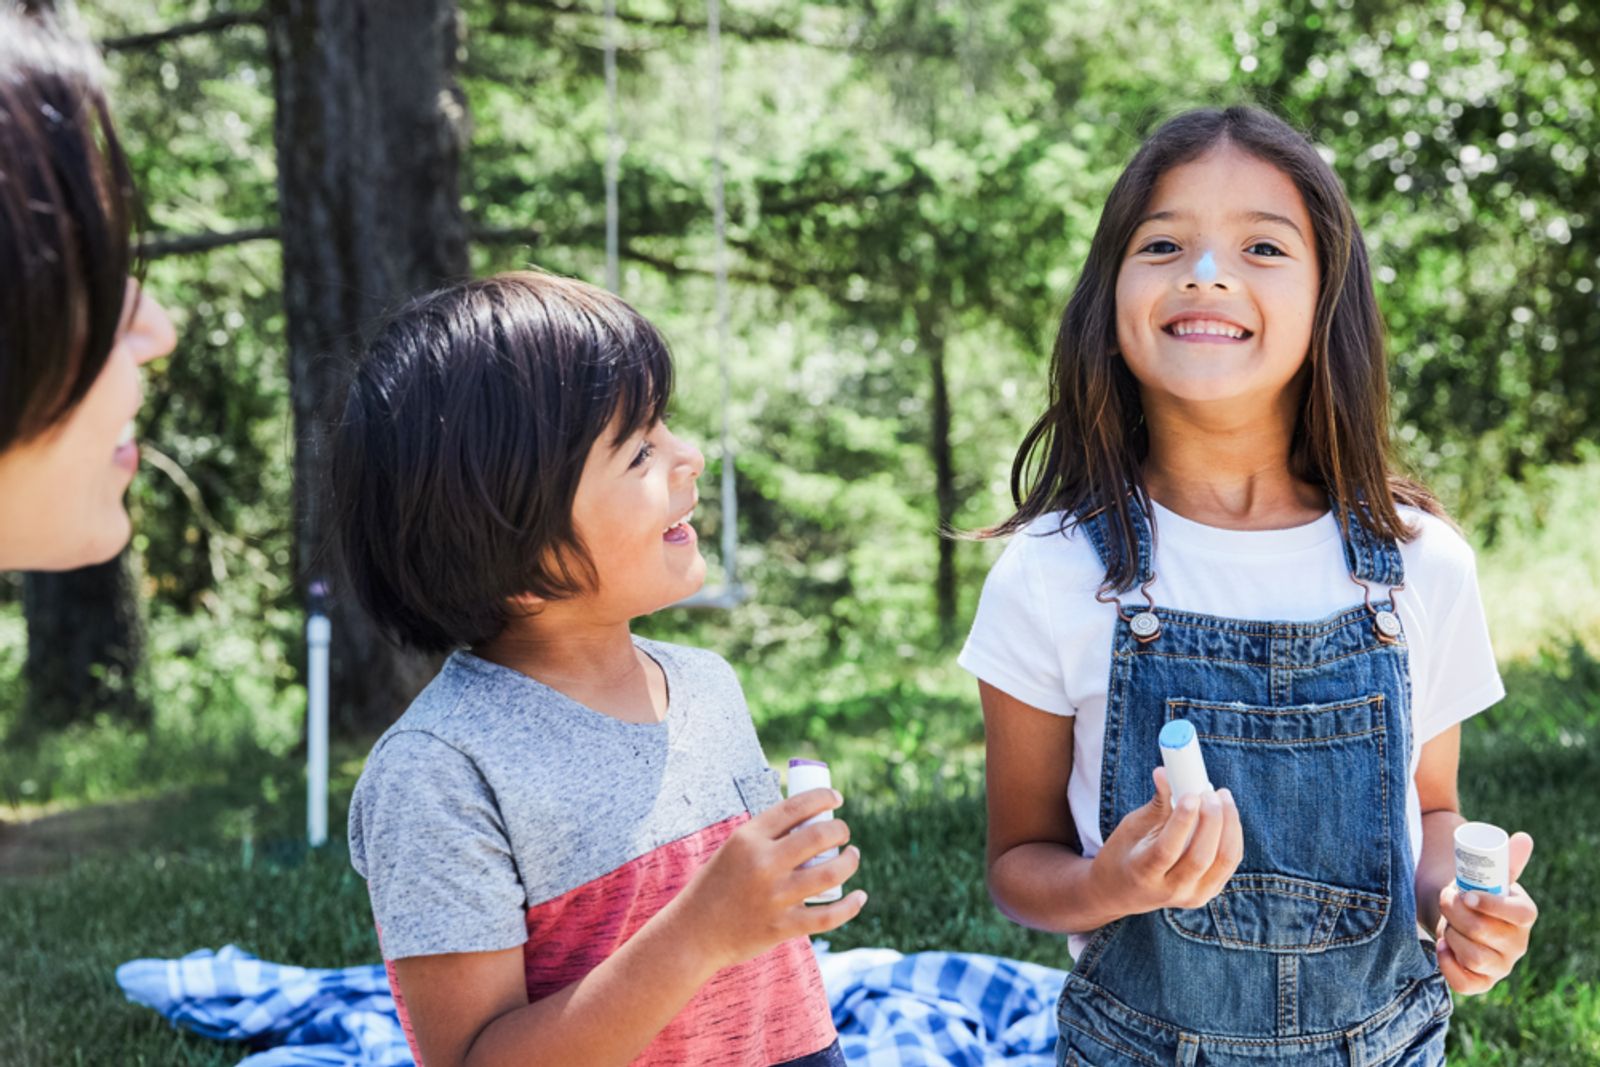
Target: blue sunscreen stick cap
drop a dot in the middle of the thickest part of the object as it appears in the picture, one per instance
(1177, 733)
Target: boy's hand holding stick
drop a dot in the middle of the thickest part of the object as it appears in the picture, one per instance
(751, 895)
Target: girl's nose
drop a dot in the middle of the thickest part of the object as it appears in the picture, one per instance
(1205, 271)
(149, 334)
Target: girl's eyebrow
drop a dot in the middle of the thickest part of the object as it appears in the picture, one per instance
(1248, 216)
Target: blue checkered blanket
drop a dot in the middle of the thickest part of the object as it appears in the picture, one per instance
(930, 1009)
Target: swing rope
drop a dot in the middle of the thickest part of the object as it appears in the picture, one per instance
(731, 593)
(613, 152)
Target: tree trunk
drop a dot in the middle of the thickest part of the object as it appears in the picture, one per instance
(369, 130)
(931, 340)
(84, 646)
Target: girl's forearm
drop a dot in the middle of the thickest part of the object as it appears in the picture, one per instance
(1436, 867)
(1048, 886)
(609, 1015)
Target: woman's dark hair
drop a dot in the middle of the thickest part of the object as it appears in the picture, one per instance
(464, 433)
(66, 221)
(1084, 454)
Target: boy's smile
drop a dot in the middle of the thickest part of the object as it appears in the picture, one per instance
(1217, 291)
(680, 532)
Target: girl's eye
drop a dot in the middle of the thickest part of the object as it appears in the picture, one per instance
(1160, 247)
(646, 450)
(1264, 248)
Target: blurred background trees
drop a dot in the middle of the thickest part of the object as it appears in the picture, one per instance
(911, 189)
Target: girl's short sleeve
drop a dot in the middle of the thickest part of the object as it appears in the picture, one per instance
(1462, 678)
(427, 835)
(1012, 644)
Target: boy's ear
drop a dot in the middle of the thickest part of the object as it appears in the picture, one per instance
(526, 604)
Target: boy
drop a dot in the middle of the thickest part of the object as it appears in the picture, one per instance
(572, 841)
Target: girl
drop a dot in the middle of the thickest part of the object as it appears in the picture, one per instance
(573, 844)
(74, 328)
(1210, 530)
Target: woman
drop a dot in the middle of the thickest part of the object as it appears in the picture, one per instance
(74, 326)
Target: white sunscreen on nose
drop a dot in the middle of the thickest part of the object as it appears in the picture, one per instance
(807, 774)
(1483, 858)
(1205, 272)
(1180, 752)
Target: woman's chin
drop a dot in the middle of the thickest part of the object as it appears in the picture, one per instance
(111, 538)
(84, 545)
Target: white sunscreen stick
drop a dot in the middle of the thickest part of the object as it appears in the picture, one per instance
(804, 775)
(1186, 768)
(1483, 858)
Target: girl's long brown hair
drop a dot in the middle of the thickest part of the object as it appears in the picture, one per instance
(1084, 454)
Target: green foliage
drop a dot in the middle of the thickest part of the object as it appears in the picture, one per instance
(901, 177)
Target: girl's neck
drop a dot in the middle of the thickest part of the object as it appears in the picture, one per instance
(595, 664)
(1230, 474)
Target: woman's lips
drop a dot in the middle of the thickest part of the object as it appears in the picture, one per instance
(127, 456)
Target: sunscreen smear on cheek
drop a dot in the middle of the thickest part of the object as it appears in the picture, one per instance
(1180, 753)
(804, 775)
(1483, 858)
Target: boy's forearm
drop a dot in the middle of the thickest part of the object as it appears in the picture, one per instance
(1436, 867)
(1048, 886)
(609, 1015)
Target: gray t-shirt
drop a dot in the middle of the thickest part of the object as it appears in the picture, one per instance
(494, 794)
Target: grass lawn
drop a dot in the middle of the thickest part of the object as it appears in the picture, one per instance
(217, 863)
(104, 872)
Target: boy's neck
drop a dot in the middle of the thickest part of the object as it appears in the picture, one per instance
(595, 664)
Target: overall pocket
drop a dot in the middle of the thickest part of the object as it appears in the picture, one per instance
(1313, 793)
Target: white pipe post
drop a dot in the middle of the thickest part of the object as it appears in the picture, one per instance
(319, 634)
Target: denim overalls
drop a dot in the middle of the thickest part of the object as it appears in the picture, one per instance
(1310, 954)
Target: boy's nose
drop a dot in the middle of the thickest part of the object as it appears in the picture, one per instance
(693, 459)
(149, 334)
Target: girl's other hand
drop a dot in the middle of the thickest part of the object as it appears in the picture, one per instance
(1170, 856)
(1481, 936)
(751, 895)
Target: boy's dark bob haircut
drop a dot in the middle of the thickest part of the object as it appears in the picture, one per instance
(67, 213)
(464, 433)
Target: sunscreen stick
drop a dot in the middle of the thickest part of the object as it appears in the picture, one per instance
(1180, 752)
(807, 774)
(1483, 858)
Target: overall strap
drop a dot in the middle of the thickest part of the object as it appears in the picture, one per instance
(1371, 558)
(1097, 525)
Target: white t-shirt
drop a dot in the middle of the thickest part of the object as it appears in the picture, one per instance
(1042, 637)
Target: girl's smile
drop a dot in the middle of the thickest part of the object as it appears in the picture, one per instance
(1206, 327)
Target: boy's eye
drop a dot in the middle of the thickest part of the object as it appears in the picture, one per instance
(1160, 247)
(1264, 248)
(646, 450)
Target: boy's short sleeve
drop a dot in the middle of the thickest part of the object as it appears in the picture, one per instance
(427, 835)
(1012, 645)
